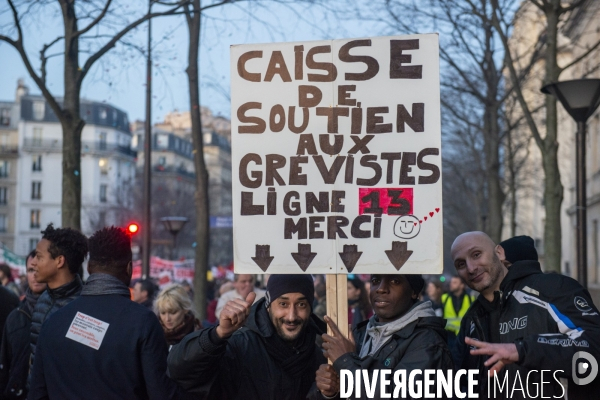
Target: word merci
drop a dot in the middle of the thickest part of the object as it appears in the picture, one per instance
(421, 384)
(432, 384)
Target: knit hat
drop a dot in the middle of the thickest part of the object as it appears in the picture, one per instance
(278, 285)
(416, 282)
(519, 248)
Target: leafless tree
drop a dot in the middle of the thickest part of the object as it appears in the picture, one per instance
(104, 25)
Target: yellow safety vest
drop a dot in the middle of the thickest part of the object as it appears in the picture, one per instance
(452, 319)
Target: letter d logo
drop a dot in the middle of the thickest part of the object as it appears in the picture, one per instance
(581, 369)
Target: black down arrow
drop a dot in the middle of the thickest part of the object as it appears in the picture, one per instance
(303, 257)
(350, 256)
(399, 254)
(263, 256)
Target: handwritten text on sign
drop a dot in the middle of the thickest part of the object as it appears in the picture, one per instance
(87, 330)
(336, 156)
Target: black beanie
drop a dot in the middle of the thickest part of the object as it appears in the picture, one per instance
(278, 285)
(519, 248)
(416, 282)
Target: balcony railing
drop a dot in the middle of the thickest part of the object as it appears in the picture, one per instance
(9, 149)
(102, 148)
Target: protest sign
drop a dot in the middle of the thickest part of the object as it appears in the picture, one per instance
(336, 153)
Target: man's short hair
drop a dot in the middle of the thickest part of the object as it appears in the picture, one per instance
(6, 271)
(69, 243)
(31, 254)
(146, 285)
(459, 278)
(110, 252)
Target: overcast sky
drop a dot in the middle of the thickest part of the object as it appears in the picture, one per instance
(119, 77)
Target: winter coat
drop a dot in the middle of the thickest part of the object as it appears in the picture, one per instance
(130, 362)
(8, 302)
(49, 302)
(239, 367)
(419, 345)
(14, 354)
(549, 317)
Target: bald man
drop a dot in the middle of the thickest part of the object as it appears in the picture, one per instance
(523, 322)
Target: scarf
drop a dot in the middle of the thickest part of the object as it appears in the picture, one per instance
(30, 300)
(295, 358)
(100, 284)
(188, 325)
(378, 334)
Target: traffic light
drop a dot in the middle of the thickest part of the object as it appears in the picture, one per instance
(133, 228)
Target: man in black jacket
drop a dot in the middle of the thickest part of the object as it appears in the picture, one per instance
(103, 345)
(403, 334)
(262, 351)
(58, 257)
(527, 321)
(15, 349)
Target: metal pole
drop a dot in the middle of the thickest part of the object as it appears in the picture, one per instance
(146, 236)
(581, 205)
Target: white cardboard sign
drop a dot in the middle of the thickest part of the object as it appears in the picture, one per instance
(87, 330)
(336, 149)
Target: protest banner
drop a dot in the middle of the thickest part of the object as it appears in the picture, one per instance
(336, 156)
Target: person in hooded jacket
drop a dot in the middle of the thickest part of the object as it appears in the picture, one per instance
(15, 350)
(523, 323)
(403, 334)
(262, 351)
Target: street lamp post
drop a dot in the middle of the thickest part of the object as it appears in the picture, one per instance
(174, 225)
(580, 97)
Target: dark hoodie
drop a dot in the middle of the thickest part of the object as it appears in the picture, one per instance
(549, 317)
(254, 363)
(421, 344)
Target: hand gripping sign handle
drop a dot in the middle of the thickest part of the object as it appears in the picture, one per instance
(337, 302)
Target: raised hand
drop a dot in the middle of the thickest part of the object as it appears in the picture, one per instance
(234, 315)
(328, 381)
(501, 353)
(337, 345)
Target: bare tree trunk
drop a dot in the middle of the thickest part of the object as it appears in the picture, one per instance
(71, 122)
(193, 18)
(553, 188)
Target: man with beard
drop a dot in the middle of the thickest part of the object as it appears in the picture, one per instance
(14, 355)
(403, 334)
(262, 351)
(524, 322)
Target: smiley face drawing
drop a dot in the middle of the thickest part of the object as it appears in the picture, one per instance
(407, 227)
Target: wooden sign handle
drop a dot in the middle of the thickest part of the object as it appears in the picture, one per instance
(337, 301)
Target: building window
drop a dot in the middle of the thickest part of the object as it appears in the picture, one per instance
(33, 243)
(34, 221)
(162, 141)
(103, 113)
(103, 189)
(4, 169)
(102, 143)
(162, 160)
(5, 116)
(3, 195)
(37, 136)
(3, 223)
(37, 163)
(39, 109)
(36, 190)
(103, 164)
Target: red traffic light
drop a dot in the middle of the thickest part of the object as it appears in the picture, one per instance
(133, 228)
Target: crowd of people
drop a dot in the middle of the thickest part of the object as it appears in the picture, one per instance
(109, 337)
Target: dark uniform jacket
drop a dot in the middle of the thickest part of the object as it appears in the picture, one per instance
(419, 345)
(130, 362)
(241, 367)
(549, 317)
(14, 354)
